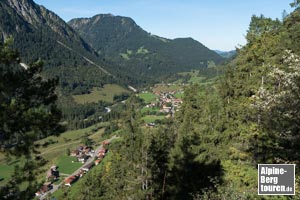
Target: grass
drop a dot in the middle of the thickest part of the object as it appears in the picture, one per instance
(66, 166)
(197, 79)
(152, 109)
(76, 187)
(125, 56)
(167, 88)
(142, 50)
(179, 95)
(152, 118)
(148, 97)
(106, 94)
(54, 153)
(69, 139)
(6, 172)
(97, 137)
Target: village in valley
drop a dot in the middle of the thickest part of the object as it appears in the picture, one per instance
(83, 154)
(161, 101)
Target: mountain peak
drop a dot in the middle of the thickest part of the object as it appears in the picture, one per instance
(26, 9)
(125, 44)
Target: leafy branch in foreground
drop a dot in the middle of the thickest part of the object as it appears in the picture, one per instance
(27, 113)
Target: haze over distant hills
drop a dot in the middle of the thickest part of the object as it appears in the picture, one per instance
(226, 54)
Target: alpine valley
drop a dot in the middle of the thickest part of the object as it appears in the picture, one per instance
(99, 109)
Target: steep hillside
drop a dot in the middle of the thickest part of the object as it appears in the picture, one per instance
(138, 53)
(39, 33)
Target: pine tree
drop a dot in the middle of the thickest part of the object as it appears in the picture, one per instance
(27, 113)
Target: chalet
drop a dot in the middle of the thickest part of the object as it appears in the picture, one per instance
(88, 167)
(166, 109)
(97, 162)
(80, 173)
(86, 149)
(52, 173)
(38, 194)
(70, 180)
(83, 158)
(151, 124)
(80, 148)
(45, 188)
(176, 102)
(74, 153)
(101, 153)
(82, 153)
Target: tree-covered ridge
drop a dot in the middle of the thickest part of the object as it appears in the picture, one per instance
(40, 34)
(137, 53)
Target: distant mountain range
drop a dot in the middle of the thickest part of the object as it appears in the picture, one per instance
(226, 54)
(93, 51)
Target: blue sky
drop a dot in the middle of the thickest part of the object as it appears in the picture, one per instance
(218, 24)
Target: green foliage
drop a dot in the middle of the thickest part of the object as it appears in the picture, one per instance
(147, 97)
(108, 93)
(68, 164)
(138, 55)
(87, 141)
(152, 118)
(195, 149)
(27, 113)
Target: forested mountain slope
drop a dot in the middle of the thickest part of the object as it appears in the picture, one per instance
(138, 53)
(124, 50)
(40, 34)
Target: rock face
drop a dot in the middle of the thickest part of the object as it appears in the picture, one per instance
(26, 9)
(26, 17)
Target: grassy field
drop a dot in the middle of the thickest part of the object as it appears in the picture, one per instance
(167, 88)
(54, 152)
(66, 166)
(6, 172)
(152, 118)
(148, 97)
(69, 139)
(106, 94)
(152, 109)
(197, 79)
(76, 187)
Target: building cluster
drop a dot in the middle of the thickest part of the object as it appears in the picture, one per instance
(100, 154)
(82, 153)
(52, 175)
(167, 102)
